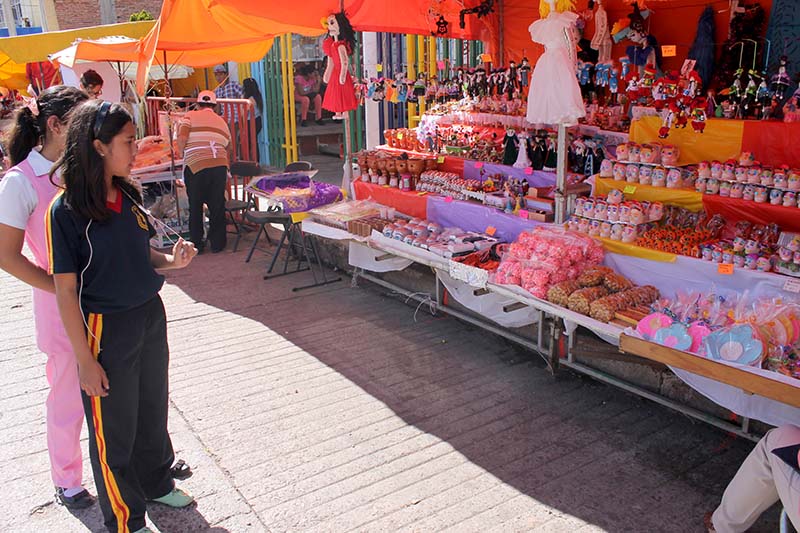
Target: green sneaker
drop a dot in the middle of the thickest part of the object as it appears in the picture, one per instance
(176, 498)
(144, 530)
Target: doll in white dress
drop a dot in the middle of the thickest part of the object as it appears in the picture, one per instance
(555, 96)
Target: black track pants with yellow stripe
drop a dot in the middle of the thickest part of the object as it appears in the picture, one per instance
(129, 446)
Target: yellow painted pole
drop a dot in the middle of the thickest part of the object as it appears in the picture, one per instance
(292, 114)
(432, 70)
(412, 75)
(286, 109)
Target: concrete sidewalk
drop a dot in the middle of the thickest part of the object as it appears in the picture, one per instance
(339, 409)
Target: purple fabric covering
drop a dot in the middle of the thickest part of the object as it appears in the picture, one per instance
(322, 193)
(476, 217)
(538, 178)
(268, 184)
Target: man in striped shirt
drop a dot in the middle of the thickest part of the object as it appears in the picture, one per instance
(205, 141)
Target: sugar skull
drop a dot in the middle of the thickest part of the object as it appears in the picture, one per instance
(600, 210)
(725, 188)
(634, 152)
(659, 177)
(674, 180)
(700, 185)
(632, 174)
(751, 261)
(605, 229)
(764, 179)
(738, 244)
(796, 258)
(573, 222)
(790, 199)
(688, 177)
(594, 228)
(761, 194)
(647, 154)
(712, 186)
(704, 169)
(727, 257)
(615, 196)
(775, 196)
(588, 208)
(737, 190)
(751, 247)
(583, 225)
(616, 232)
(794, 244)
(622, 152)
(738, 260)
(625, 212)
(619, 171)
(746, 159)
(763, 264)
(579, 203)
(785, 254)
(629, 234)
(716, 255)
(655, 212)
(779, 178)
(749, 192)
(670, 155)
(793, 180)
(705, 253)
(613, 212)
(716, 169)
(637, 214)
(753, 174)
(645, 175)
(740, 174)
(606, 168)
(729, 171)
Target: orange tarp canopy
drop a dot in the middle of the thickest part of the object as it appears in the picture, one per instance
(107, 49)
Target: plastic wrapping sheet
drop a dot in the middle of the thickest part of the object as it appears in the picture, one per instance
(470, 216)
(328, 232)
(538, 178)
(689, 274)
(362, 256)
(489, 305)
(736, 209)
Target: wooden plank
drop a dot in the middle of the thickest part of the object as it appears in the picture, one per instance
(748, 382)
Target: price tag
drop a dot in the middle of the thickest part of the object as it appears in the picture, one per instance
(486, 58)
(629, 189)
(448, 199)
(522, 213)
(792, 285)
(400, 136)
(529, 171)
(440, 65)
(490, 231)
(422, 193)
(379, 67)
(440, 159)
(478, 164)
(725, 269)
(385, 186)
(669, 50)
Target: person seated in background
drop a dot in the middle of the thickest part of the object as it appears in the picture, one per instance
(92, 84)
(768, 475)
(306, 90)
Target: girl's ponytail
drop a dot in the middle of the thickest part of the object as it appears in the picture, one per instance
(24, 136)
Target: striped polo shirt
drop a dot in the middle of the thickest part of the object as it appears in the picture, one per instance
(207, 139)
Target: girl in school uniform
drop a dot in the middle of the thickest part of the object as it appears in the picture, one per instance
(25, 194)
(107, 291)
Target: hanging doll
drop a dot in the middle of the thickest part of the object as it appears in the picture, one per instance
(781, 81)
(601, 41)
(645, 50)
(524, 73)
(340, 95)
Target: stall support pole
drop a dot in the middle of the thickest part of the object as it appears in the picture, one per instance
(347, 177)
(561, 176)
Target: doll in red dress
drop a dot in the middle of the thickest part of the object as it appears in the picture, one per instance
(340, 95)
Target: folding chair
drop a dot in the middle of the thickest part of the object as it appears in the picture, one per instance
(234, 206)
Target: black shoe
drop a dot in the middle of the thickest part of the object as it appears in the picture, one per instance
(303, 123)
(181, 470)
(82, 500)
(321, 122)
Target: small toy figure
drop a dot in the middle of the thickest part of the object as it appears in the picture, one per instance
(781, 81)
(699, 115)
(522, 155)
(510, 147)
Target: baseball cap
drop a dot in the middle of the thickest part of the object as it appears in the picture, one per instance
(207, 97)
(220, 68)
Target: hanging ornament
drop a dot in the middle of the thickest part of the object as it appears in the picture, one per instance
(441, 25)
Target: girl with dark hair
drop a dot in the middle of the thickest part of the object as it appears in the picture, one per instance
(107, 292)
(25, 194)
(340, 95)
(251, 92)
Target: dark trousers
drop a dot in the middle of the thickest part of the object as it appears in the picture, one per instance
(129, 445)
(207, 187)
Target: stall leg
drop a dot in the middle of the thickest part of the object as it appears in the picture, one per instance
(554, 352)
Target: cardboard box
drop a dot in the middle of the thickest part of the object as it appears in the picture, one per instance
(538, 216)
(540, 204)
(541, 192)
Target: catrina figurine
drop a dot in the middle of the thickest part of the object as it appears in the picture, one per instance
(340, 95)
(510, 147)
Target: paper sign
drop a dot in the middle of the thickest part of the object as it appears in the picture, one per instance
(629, 189)
(522, 213)
(529, 171)
(725, 268)
(440, 159)
(478, 164)
(400, 136)
(669, 50)
(490, 231)
(486, 58)
(440, 65)
(379, 67)
(792, 285)
(448, 199)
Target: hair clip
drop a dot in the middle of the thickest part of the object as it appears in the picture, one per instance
(31, 104)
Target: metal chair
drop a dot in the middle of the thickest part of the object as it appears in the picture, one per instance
(244, 170)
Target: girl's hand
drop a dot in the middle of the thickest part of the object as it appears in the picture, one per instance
(182, 253)
(342, 79)
(93, 379)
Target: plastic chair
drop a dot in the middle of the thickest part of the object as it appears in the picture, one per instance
(244, 170)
